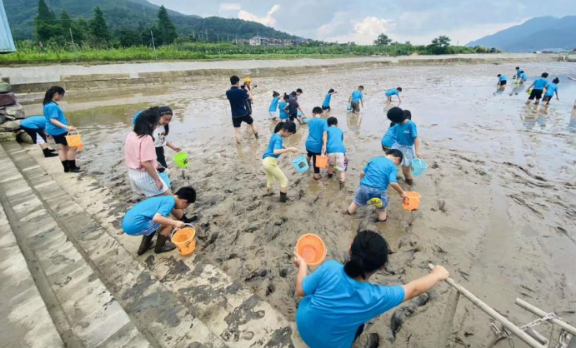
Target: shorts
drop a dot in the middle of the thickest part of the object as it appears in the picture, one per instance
(386, 148)
(547, 98)
(325, 108)
(365, 193)
(146, 230)
(61, 139)
(355, 106)
(408, 152)
(502, 83)
(143, 183)
(313, 155)
(38, 137)
(293, 116)
(339, 160)
(237, 121)
(536, 93)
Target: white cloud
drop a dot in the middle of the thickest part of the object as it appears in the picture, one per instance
(269, 20)
(227, 6)
(365, 31)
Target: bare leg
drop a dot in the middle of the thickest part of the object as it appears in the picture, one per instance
(63, 152)
(407, 175)
(237, 135)
(44, 146)
(352, 208)
(382, 215)
(71, 154)
(330, 169)
(342, 176)
(166, 230)
(253, 125)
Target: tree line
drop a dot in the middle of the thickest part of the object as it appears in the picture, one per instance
(439, 45)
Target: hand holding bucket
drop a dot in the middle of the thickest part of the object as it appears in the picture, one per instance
(312, 249)
(74, 140)
(184, 239)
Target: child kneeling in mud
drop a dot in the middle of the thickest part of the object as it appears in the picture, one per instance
(273, 152)
(339, 299)
(151, 215)
(375, 178)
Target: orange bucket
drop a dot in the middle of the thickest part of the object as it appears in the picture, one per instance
(412, 194)
(74, 140)
(80, 147)
(321, 162)
(184, 239)
(312, 249)
(411, 204)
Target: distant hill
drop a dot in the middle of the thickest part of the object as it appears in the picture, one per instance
(537, 34)
(133, 14)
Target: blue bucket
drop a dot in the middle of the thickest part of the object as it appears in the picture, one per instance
(418, 167)
(164, 176)
(299, 114)
(305, 120)
(349, 107)
(301, 164)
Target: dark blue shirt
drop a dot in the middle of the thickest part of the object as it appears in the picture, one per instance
(238, 98)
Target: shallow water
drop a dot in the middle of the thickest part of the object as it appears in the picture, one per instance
(498, 207)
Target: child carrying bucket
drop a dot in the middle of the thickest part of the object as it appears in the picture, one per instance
(274, 105)
(374, 180)
(339, 299)
(282, 107)
(273, 152)
(57, 127)
(336, 151)
(151, 215)
(389, 138)
(317, 139)
(407, 141)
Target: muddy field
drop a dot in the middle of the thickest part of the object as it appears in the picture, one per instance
(499, 201)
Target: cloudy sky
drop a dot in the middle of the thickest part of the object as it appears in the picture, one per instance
(417, 21)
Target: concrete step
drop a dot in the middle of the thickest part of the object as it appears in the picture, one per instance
(24, 318)
(224, 312)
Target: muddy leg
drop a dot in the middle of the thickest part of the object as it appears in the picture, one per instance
(352, 208)
(407, 175)
(382, 215)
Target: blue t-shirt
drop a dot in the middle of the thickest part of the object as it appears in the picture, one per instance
(34, 122)
(336, 305)
(138, 218)
(379, 173)
(283, 114)
(238, 99)
(551, 88)
(540, 83)
(316, 129)
(335, 140)
(275, 144)
(357, 96)
(53, 111)
(136, 117)
(502, 78)
(518, 73)
(405, 133)
(327, 100)
(391, 92)
(390, 137)
(274, 104)
(524, 76)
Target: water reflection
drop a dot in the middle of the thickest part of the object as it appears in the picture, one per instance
(572, 123)
(354, 122)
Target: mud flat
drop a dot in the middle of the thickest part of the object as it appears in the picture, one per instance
(499, 201)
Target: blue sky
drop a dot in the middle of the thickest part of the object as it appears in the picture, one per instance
(417, 21)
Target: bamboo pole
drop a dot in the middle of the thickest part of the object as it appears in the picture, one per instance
(535, 310)
(492, 313)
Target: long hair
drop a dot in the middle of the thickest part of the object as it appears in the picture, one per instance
(50, 93)
(147, 122)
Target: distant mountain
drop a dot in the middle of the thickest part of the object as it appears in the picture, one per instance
(133, 14)
(537, 34)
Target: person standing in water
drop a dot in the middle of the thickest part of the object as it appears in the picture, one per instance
(293, 108)
(327, 100)
(394, 91)
(273, 152)
(274, 105)
(551, 89)
(160, 136)
(317, 139)
(34, 126)
(502, 80)
(537, 88)
(248, 87)
(357, 99)
(57, 127)
(239, 99)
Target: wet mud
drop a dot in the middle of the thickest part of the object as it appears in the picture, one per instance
(498, 207)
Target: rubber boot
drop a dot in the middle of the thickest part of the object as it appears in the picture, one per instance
(73, 167)
(163, 245)
(283, 197)
(66, 166)
(145, 244)
(48, 153)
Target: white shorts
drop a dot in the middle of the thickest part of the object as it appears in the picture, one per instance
(339, 160)
(143, 183)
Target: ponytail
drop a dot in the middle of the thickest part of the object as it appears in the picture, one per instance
(288, 126)
(368, 253)
(147, 122)
(50, 94)
(278, 127)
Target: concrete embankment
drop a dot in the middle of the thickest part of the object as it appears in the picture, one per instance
(33, 79)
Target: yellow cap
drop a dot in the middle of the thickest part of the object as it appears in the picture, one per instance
(247, 80)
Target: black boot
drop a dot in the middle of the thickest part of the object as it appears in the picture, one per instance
(66, 166)
(163, 245)
(188, 220)
(52, 150)
(73, 167)
(48, 153)
(146, 244)
(283, 197)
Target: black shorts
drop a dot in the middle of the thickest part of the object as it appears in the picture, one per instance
(61, 139)
(33, 133)
(237, 121)
(325, 108)
(547, 98)
(313, 155)
(293, 116)
(536, 93)
(502, 83)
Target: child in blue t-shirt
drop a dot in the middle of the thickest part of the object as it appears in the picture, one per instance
(394, 91)
(274, 105)
(34, 126)
(389, 138)
(378, 174)
(273, 152)
(339, 299)
(151, 215)
(336, 150)
(407, 140)
(551, 89)
(317, 139)
(282, 106)
(502, 80)
(327, 100)
(356, 100)
(537, 89)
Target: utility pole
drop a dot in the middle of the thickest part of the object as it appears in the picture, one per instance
(73, 45)
(154, 45)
